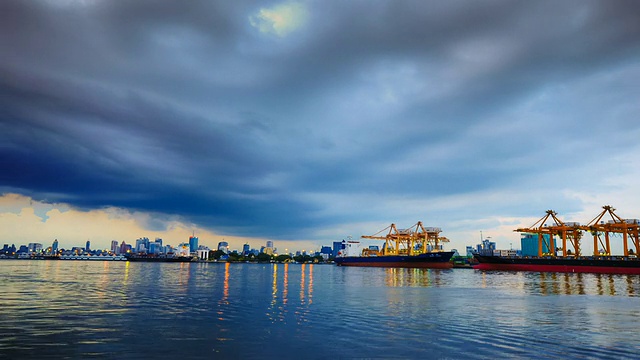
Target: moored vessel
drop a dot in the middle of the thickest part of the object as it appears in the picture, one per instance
(415, 247)
(599, 264)
(549, 232)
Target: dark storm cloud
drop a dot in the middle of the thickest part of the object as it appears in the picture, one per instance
(189, 109)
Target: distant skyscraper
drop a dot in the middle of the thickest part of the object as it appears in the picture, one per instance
(88, 247)
(142, 245)
(269, 244)
(54, 246)
(193, 243)
(114, 247)
(34, 247)
(245, 249)
(123, 247)
(223, 246)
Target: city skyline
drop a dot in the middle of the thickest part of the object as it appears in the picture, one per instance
(304, 122)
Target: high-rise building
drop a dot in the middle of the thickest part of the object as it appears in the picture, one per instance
(35, 247)
(223, 246)
(269, 249)
(245, 249)
(123, 247)
(168, 249)
(142, 245)
(54, 246)
(88, 247)
(193, 243)
(114, 247)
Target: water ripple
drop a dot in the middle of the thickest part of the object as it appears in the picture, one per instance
(136, 310)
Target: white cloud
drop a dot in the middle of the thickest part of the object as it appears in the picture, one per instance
(281, 19)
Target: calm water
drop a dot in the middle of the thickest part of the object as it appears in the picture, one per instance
(84, 309)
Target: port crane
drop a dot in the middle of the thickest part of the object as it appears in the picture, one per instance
(410, 241)
(567, 231)
(615, 225)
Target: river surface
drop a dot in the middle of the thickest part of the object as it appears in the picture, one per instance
(87, 309)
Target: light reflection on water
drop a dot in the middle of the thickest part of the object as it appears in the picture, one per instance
(79, 309)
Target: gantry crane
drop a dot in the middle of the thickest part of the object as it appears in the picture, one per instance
(617, 225)
(566, 231)
(409, 241)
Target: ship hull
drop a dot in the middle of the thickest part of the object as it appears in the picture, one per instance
(608, 265)
(437, 260)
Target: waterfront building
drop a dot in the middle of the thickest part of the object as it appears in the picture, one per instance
(203, 252)
(54, 246)
(23, 249)
(159, 245)
(486, 247)
(268, 249)
(142, 245)
(88, 247)
(246, 249)
(154, 248)
(34, 248)
(337, 245)
(223, 246)
(470, 251)
(193, 243)
(124, 247)
(326, 250)
(114, 247)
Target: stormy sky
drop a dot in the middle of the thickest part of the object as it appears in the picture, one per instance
(313, 120)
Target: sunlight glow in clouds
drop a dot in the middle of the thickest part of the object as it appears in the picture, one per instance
(24, 220)
(281, 19)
